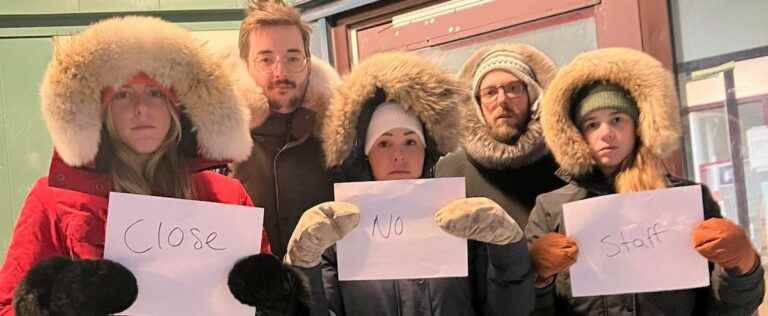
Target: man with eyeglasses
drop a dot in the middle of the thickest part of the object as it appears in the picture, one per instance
(503, 155)
(286, 91)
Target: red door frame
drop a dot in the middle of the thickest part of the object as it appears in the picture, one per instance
(639, 24)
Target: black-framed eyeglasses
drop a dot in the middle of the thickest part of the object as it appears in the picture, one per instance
(512, 90)
(292, 62)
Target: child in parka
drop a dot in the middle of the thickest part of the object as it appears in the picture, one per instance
(610, 117)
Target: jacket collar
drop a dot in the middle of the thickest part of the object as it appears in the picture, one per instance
(597, 184)
(416, 83)
(81, 179)
(477, 141)
(88, 180)
(493, 154)
(301, 123)
(323, 80)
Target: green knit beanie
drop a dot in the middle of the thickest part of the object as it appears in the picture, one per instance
(599, 96)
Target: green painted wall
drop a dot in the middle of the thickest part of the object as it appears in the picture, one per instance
(12, 7)
(25, 148)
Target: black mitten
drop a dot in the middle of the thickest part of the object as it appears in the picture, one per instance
(62, 286)
(273, 288)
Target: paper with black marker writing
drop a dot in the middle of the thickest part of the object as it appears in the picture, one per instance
(636, 242)
(181, 251)
(397, 237)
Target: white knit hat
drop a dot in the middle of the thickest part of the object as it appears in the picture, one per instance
(390, 115)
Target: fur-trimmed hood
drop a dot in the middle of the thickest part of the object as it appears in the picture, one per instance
(477, 140)
(406, 78)
(114, 50)
(323, 79)
(641, 75)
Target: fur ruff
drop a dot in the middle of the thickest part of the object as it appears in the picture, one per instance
(650, 85)
(323, 80)
(112, 51)
(477, 140)
(408, 79)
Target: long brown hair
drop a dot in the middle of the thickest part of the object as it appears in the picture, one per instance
(166, 171)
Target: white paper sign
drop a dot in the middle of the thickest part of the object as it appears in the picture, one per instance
(397, 237)
(636, 242)
(181, 251)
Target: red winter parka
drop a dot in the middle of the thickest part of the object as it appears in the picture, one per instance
(65, 213)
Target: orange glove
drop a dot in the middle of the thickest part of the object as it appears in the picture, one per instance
(553, 253)
(725, 243)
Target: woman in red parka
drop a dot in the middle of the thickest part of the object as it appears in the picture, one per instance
(136, 105)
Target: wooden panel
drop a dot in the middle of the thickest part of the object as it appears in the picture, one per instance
(25, 147)
(655, 31)
(618, 24)
(460, 24)
(341, 49)
(657, 42)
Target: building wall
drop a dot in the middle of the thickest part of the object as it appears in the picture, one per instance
(13, 7)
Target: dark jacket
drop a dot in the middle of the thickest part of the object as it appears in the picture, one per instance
(510, 174)
(515, 189)
(499, 283)
(500, 277)
(285, 173)
(727, 294)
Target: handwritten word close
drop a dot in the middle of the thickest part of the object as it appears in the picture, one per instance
(648, 238)
(172, 237)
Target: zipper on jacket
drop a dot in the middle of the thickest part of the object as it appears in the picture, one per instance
(288, 145)
(398, 306)
(277, 193)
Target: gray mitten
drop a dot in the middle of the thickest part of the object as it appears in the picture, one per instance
(478, 219)
(320, 227)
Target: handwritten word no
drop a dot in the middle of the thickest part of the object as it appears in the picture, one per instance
(172, 238)
(648, 239)
(386, 228)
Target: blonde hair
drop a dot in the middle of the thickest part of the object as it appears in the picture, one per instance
(643, 172)
(165, 173)
(262, 13)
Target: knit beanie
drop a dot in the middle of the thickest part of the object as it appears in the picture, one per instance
(390, 115)
(601, 96)
(107, 93)
(512, 63)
